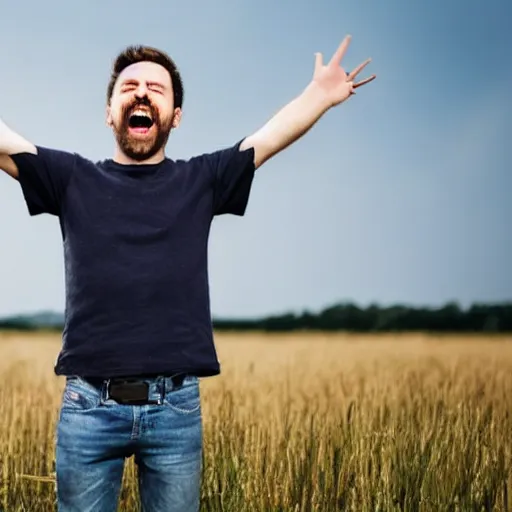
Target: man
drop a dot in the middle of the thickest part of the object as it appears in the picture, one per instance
(138, 331)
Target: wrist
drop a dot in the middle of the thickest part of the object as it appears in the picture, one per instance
(317, 97)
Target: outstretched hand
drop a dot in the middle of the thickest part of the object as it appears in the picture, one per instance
(335, 82)
(330, 86)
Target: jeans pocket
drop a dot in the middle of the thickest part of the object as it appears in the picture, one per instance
(185, 399)
(79, 396)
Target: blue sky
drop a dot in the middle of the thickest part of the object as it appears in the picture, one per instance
(400, 195)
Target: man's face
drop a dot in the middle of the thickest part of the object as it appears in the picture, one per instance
(141, 110)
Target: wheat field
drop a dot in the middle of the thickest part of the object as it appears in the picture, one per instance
(305, 422)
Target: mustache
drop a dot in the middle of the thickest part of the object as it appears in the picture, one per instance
(141, 102)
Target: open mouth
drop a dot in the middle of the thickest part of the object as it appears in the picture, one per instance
(140, 121)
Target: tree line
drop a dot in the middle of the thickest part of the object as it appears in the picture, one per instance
(351, 317)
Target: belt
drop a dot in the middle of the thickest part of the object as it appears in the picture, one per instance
(136, 390)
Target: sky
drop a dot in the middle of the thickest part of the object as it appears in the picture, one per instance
(400, 195)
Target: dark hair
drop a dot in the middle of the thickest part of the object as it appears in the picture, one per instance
(134, 54)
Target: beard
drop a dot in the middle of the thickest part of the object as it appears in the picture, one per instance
(140, 148)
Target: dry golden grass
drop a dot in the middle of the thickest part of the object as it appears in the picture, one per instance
(306, 422)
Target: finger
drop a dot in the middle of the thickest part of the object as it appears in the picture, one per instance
(358, 70)
(318, 61)
(340, 52)
(365, 81)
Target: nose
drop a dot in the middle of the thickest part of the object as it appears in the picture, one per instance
(141, 91)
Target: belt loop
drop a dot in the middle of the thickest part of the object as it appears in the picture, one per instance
(105, 386)
(161, 389)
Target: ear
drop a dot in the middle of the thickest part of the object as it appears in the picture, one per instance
(109, 121)
(177, 117)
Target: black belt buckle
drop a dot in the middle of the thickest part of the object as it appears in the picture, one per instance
(129, 391)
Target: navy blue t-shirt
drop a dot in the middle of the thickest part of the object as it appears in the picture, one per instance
(135, 243)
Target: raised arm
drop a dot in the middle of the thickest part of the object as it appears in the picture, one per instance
(12, 143)
(330, 86)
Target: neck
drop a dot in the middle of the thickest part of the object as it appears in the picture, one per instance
(123, 159)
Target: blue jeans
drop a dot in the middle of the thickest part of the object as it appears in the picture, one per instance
(95, 434)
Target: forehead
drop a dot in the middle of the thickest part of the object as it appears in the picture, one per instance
(146, 72)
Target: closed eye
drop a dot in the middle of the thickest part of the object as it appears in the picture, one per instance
(155, 87)
(129, 86)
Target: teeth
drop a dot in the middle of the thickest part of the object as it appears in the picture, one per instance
(139, 112)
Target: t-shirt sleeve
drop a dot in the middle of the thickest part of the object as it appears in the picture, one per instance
(44, 178)
(233, 176)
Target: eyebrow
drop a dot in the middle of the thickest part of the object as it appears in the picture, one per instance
(157, 84)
